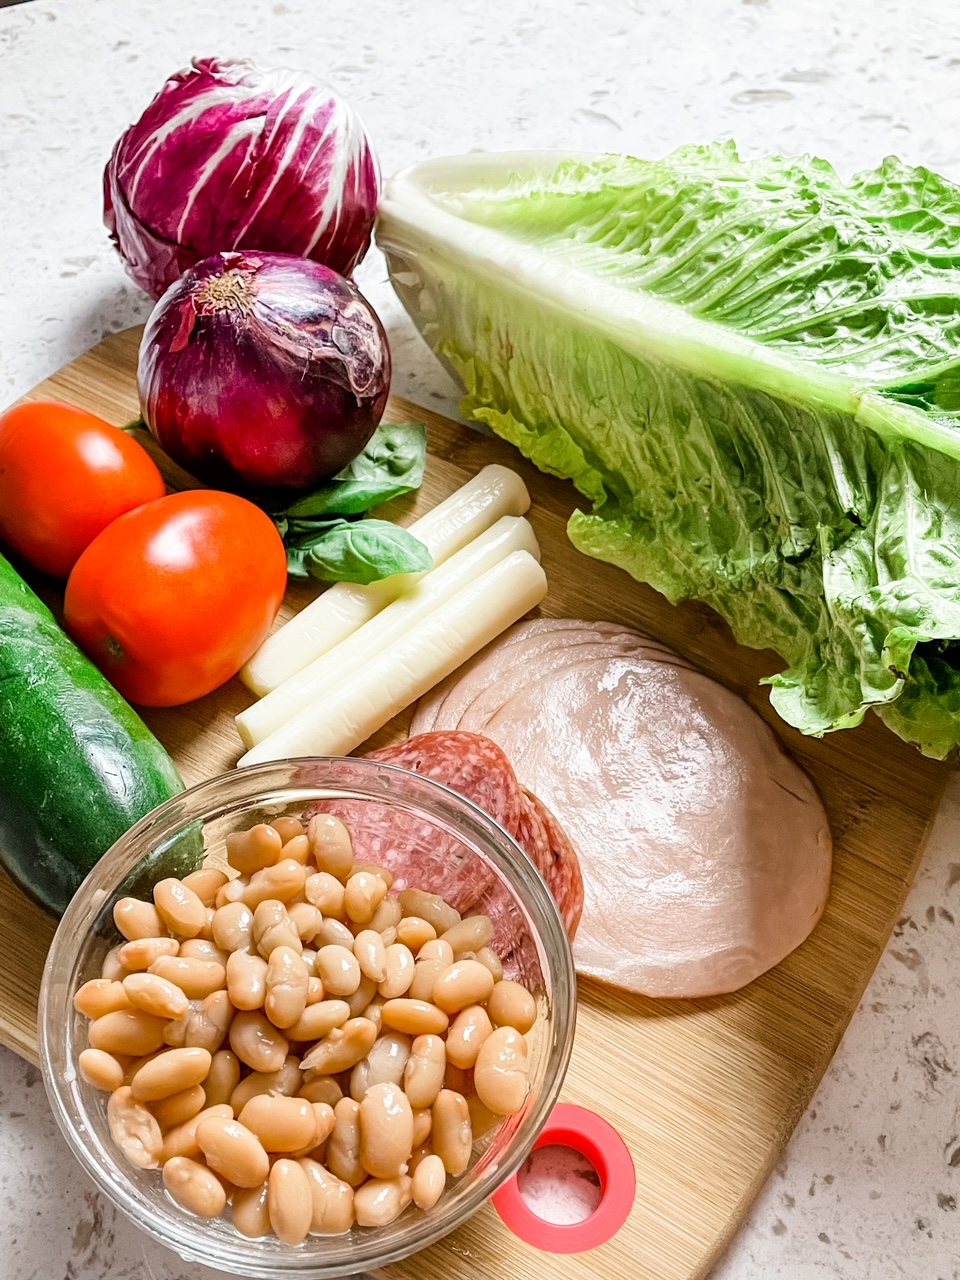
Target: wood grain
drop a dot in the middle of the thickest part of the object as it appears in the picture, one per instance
(706, 1092)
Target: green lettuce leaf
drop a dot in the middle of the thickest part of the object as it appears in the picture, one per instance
(751, 369)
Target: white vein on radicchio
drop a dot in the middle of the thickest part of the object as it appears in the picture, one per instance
(229, 156)
(263, 371)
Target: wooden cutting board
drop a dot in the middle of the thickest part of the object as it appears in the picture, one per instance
(706, 1092)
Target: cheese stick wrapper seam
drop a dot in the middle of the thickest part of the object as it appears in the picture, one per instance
(493, 492)
(509, 534)
(343, 717)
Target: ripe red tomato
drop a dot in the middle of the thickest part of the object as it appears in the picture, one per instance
(65, 474)
(171, 600)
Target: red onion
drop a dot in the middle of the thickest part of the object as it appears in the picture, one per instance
(227, 156)
(261, 370)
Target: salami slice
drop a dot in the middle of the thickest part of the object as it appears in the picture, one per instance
(554, 857)
(418, 853)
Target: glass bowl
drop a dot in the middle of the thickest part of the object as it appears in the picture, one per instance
(436, 822)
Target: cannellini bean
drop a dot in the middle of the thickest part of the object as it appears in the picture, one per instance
(112, 968)
(306, 918)
(374, 1012)
(482, 1119)
(206, 883)
(195, 978)
(386, 1130)
(472, 933)
(169, 1073)
(429, 907)
(415, 1017)
(100, 1069)
(512, 1005)
(322, 1089)
(318, 1020)
(257, 1042)
(315, 992)
(194, 1187)
(333, 933)
(179, 1107)
(249, 1211)
(287, 982)
(379, 1201)
(182, 1140)
(136, 919)
(375, 869)
(272, 928)
(451, 1135)
(365, 992)
(233, 1151)
(206, 933)
(140, 954)
(208, 1022)
(338, 970)
(342, 1048)
(100, 996)
(362, 894)
(331, 1200)
(251, 850)
(465, 982)
(126, 1031)
(233, 927)
(467, 1033)
(180, 909)
(285, 1081)
(371, 954)
(232, 891)
(490, 960)
(428, 1182)
(343, 1146)
(287, 828)
(331, 845)
(501, 1073)
(422, 1125)
(153, 994)
(419, 1154)
(280, 883)
(281, 1123)
(175, 1031)
(222, 1078)
(246, 980)
(134, 1130)
(414, 932)
(400, 968)
(386, 917)
(298, 849)
(203, 949)
(289, 1201)
(432, 960)
(423, 1071)
(384, 1064)
(325, 892)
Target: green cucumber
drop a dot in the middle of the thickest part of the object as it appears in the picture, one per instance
(78, 767)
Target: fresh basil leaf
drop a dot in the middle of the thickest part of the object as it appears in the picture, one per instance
(392, 464)
(364, 551)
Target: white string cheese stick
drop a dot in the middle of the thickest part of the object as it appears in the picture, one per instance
(493, 492)
(509, 534)
(343, 717)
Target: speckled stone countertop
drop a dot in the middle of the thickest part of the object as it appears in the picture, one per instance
(869, 1187)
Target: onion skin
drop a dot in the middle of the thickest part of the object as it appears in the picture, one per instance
(262, 371)
(229, 156)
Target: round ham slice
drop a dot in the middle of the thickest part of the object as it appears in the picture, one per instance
(705, 850)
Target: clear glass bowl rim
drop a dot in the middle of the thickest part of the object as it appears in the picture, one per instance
(280, 782)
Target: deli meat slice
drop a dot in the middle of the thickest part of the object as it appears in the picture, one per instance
(419, 855)
(705, 850)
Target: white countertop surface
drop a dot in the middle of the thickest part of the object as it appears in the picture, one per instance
(869, 1187)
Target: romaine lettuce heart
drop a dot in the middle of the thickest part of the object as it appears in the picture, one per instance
(752, 371)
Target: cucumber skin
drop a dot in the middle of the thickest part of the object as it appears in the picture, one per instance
(78, 767)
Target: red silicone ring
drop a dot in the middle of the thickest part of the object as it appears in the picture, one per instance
(589, 1134)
